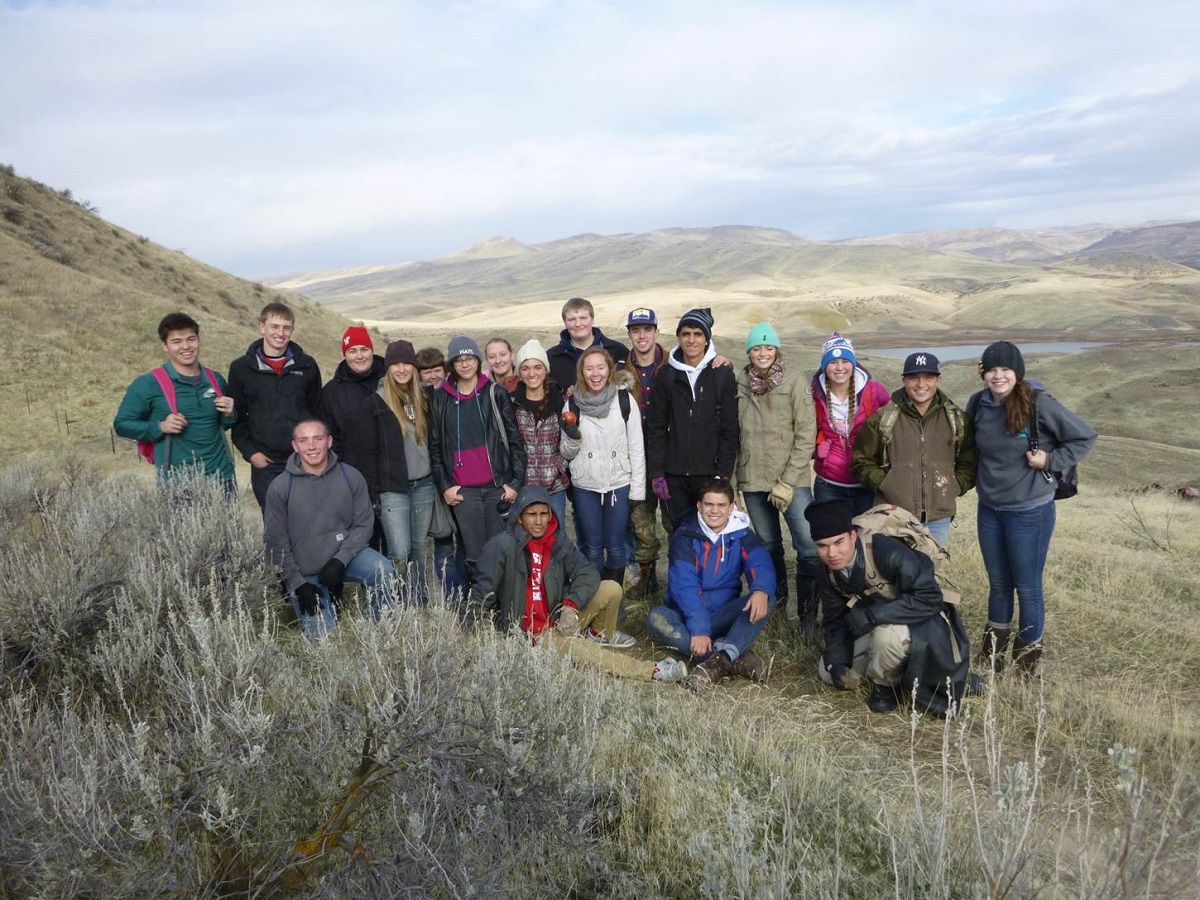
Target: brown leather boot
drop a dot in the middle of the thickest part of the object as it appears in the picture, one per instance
(750, 665)
(1027, 655)
(711, 672)
(647, 586)
(991, 653)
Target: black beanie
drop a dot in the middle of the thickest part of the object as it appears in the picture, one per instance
(701, 318)
(829, 518)
(1002, 354)
(400, 352)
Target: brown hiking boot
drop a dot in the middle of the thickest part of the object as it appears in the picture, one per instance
(647, 585)
(991, 654)
(1027, 655)
(750, 665)
(712, 671)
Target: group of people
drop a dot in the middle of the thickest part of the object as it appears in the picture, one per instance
(487, 451)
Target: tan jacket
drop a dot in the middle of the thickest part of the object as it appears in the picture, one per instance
(778, 429)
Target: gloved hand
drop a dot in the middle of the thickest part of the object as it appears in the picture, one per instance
(781, 495)
(568, 621)
(661, 491)
(571, 430)
(860, 620)
(308, 598)
(838, 674)
(332, 574)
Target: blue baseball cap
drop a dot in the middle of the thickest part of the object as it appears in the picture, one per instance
(642, 316)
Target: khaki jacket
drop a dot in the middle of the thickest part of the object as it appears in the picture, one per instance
(778, 429)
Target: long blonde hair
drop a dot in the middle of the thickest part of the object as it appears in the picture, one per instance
(408, 404)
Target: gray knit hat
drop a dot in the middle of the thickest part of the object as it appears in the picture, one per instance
(461, 345)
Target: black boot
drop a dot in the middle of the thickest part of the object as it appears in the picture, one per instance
(806, 607)
(647, 586)
(609, 573)
(883, 698)
(781, 582)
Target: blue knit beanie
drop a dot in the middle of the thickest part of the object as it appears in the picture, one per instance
(837, 346)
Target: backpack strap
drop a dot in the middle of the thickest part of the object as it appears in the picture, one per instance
(887, 424)
(958, 422)
(167, 386)
(212, 379)
(623, 400)
(496, 413)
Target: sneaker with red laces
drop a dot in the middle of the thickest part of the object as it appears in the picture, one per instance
(669, 670)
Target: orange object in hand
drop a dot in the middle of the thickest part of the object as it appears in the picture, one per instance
(569, 418)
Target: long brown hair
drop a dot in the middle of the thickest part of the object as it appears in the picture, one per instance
(1018, 407)
(405, 401)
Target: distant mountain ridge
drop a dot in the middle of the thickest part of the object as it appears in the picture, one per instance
(1060, 279)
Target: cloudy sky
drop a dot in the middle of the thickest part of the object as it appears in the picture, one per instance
(269, 137)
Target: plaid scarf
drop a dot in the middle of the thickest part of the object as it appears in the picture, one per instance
(759, 384)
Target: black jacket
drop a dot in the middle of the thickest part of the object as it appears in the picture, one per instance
(564, 356)
(686, 436)
(366, 434)
(269, 405)
(507, 455)
(940, 648)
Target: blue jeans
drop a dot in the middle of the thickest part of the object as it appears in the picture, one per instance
(558, 504)
(861, 498)
(369, 568)
(732, 630)
(765, 520)
(602, 519)
(405, 519)
(940, 529)
(1014, 543)
(450, 565)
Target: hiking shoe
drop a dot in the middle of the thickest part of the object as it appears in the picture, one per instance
(619, 641)
(669, 670)
(750, 665)
(710, 672)
(883, 698)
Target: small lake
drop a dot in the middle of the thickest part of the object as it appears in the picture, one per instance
(974, 351)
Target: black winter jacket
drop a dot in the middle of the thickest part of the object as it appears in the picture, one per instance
(269, 405)
(365, 432)
(940, 648)
(564, 356)
(686, 436)
(507, 455)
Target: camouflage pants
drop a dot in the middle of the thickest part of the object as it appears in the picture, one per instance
(641, 516)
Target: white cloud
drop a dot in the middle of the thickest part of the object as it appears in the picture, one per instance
(274, 136)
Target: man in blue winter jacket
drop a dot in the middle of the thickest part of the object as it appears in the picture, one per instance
(706, 615)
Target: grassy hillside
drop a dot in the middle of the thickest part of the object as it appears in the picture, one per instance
(79, 302)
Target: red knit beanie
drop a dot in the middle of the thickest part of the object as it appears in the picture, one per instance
(356, 336)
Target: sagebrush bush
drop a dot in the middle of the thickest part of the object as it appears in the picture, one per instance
(163, 732)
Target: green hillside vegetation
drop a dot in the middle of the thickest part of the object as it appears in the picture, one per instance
(80, 299)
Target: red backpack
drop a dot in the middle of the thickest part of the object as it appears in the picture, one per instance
(145, 448)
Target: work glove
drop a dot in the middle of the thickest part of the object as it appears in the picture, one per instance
(661, 491)
(568, 621)
(838, 674)
(572, 430)
(308, 598)
(781, 496)
(860, 620)
(332, 574)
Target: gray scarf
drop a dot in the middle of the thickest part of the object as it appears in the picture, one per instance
(598, 404)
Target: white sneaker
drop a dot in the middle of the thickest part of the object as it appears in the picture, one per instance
(619, 640)
(669, 670)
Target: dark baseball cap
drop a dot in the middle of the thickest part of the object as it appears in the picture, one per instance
(641, 316)
(918, 363)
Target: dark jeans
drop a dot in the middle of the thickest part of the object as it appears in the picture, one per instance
(450, 565)
(861, 498)
(602, 520)
(1014, 543)
(765, 519)
(260, 480)
(477, 519)
(732, 630)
